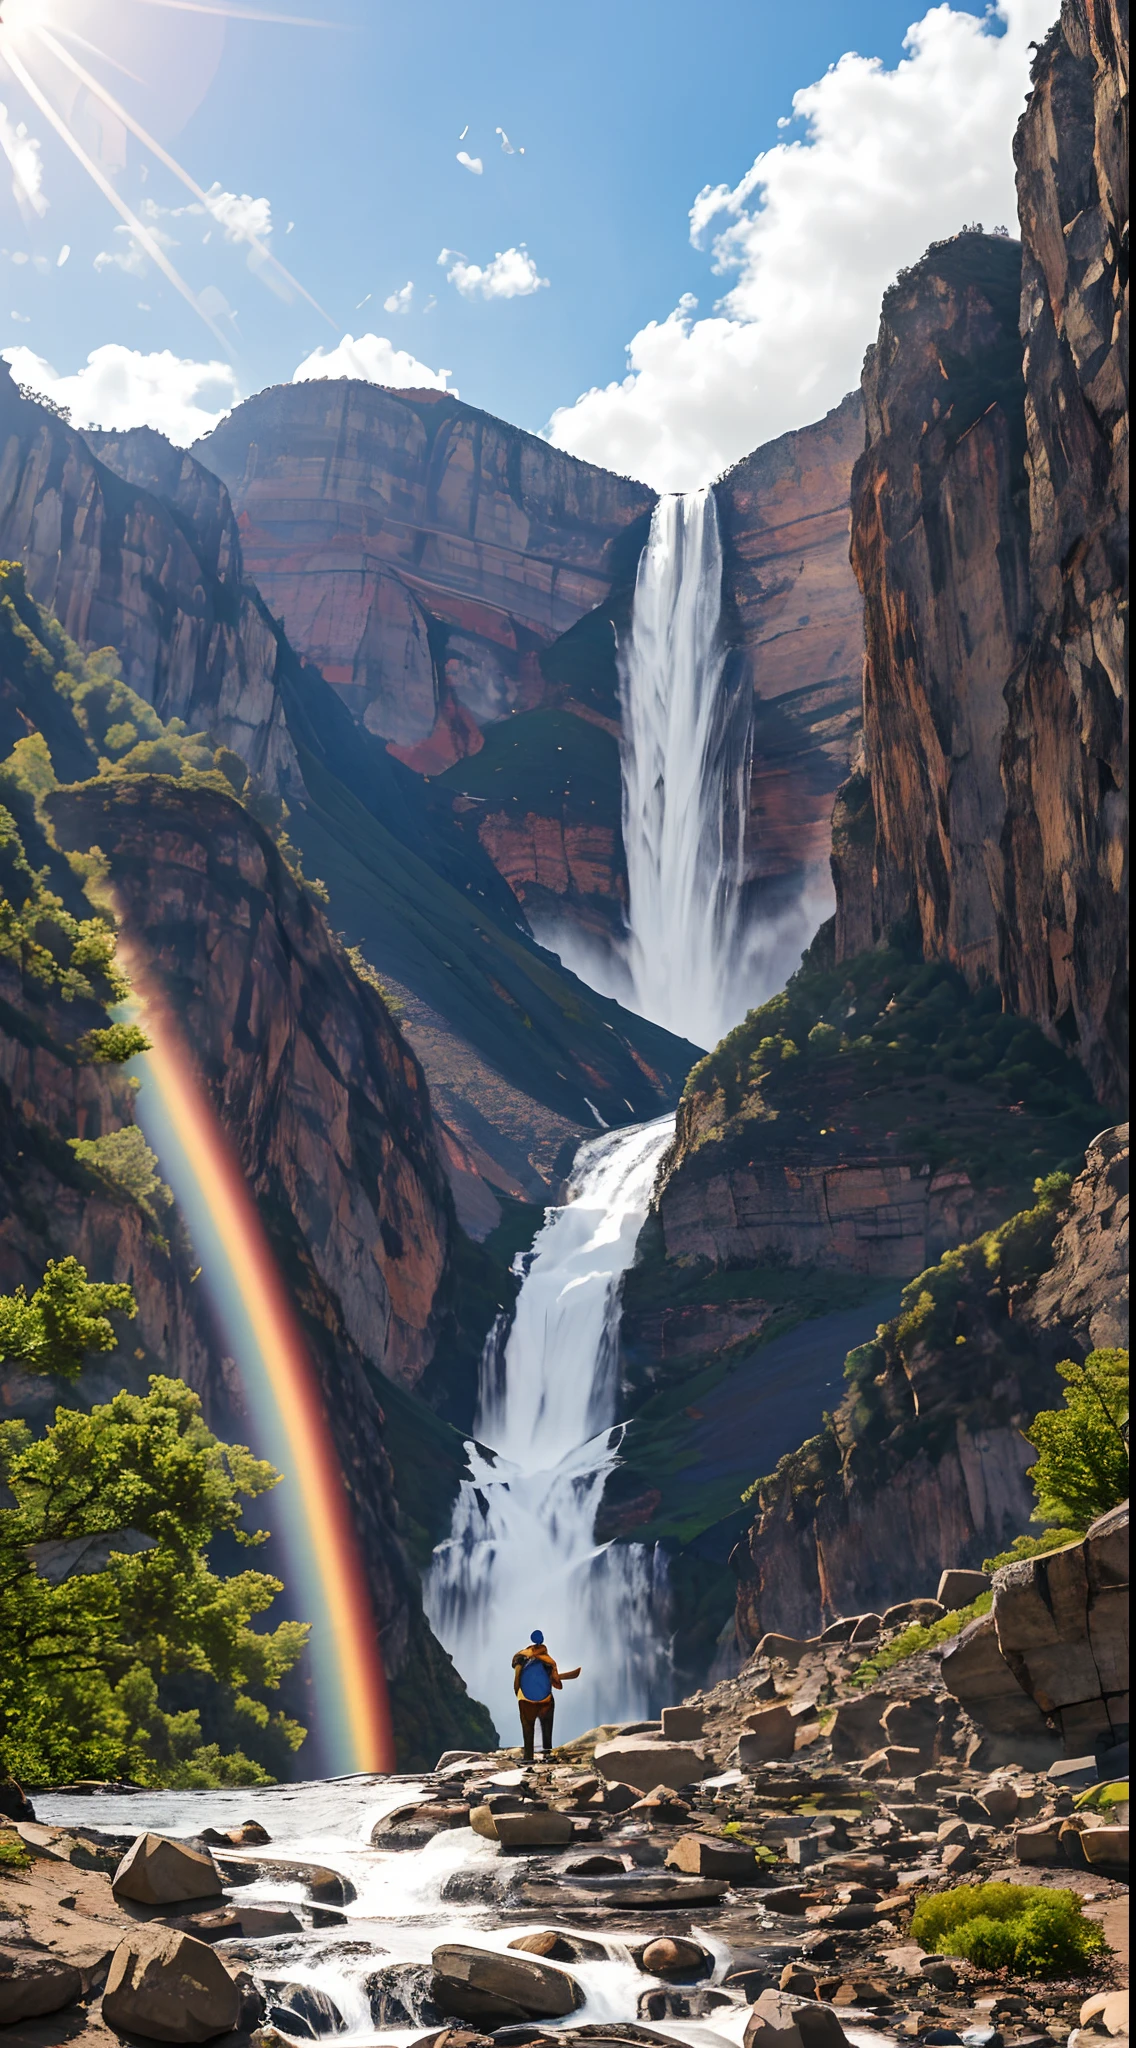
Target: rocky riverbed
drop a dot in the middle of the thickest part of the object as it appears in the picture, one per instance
(588, 1898)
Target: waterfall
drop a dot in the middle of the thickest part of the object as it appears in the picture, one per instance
(686, 758)
(522, 1552)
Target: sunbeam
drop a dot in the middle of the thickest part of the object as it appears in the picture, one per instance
(140, 232)
(50, 42)
(239, 13)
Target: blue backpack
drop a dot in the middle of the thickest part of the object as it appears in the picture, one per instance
(536, 1679)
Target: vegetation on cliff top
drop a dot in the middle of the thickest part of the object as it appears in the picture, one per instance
(94, 1640)
(891, 1053)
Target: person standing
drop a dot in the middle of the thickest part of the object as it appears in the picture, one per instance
(536, 1680)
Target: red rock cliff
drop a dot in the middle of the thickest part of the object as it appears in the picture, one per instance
(120, 567)
(421, 552)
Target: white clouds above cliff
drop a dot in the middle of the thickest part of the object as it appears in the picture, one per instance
(122, 387)
(511, 275)
(889, 161)
(374, 360)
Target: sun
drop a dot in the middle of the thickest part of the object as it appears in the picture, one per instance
(39, 39)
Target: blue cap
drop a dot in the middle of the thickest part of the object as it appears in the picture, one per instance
(537, 1636)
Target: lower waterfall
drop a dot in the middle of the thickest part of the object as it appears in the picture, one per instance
(522, 1552)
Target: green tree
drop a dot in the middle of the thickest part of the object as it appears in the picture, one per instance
(1082, 1465)
(108, 1597)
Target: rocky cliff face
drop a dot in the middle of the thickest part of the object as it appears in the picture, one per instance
(1064, 949)
(156, 577)
(793, 612)
(990, 538)
(423, 553)
(940, 548)
(923, 1464)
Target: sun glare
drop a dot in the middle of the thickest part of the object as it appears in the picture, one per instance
(38, 40)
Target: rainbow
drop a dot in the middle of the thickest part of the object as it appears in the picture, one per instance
(260, 1329)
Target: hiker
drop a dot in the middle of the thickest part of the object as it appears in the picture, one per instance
(535, 1678)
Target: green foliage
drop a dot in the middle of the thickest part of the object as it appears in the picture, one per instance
(125, 1160)
(1027, 1546)
(1082, 1466)
(113, 1045)
(63, 1322)
(13, 1855)
(83, 1663)
(918, 1637)
(1103, 1798)
(1022, 1927)
(367, 973)
(50, 948)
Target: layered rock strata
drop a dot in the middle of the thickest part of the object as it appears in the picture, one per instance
(990, 536)
(423, 553)
(793, 614)
(924, 1463)
(158, 578)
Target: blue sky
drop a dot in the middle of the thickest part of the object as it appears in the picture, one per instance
(624, 110)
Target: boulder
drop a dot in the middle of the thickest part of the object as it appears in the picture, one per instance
(957, 1588)
(710, 1856)
(14, 1801)
(893, 1762)
(1106, 2010)
(912, 1723)
(557, 1947)
(770, 1732)
(316, 2012)
(682, 1724)
(858, 1726)
(912, 1613)
(1105, 1847)
(675, 1956)
(867, 1628)
(957, 1858)
(661, 1805)
(539, 1829)
(780, 2020)
(169, 1987)
(1000, 1798)
(840, 1631)
(33, 1983)
(976, 1672)
(646, 1761)
(484, 1985)
(788, 1649)
(161, 1872)
(1038, 1843)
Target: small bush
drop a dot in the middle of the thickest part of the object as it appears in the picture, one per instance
(13, 1855)
(918, 1637)
(113, 1044)
(1022, 1927)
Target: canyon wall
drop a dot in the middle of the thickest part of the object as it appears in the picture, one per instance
(421, 552)
(793, 614)
(158, 578)
(924, 1463)
(990, 540)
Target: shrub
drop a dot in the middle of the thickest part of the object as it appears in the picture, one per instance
(1082, 1466)
(1022, 1927)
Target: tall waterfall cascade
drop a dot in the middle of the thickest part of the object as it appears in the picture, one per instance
(522, 1552)
(685, 762)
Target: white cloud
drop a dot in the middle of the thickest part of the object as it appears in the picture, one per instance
(130, 256)
(813, 233)
(399, 301)
(470, 163)
(121, 387)
(511, 275)
(239, 214)
(22, 152)
(374, 360)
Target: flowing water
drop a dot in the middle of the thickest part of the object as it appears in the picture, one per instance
(522, 1552)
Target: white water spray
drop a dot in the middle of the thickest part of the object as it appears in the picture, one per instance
(686, 759)
(522, 1553)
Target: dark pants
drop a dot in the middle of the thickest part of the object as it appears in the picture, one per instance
(533, 1711)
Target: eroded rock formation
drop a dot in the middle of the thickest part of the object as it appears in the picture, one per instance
(924, 1463)
(990, 538)
(158, 578)
(423, 553)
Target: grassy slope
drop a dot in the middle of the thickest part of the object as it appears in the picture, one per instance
(547, 761)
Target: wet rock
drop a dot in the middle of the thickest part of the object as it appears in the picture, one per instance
(645, 1761)
(316, 2012)
(957, 1588)
(537, 1830)
(790, 1899)
(249, 1835)
(160, 1872)
(595, 1866)
(329, 1887)
(169, 1987)
(484, 1985)
(778, 2021)
(554, 1947)
(33, 1983)
(668, 2003)
(674, 1956)
(401, 1995)
(710, 1856)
